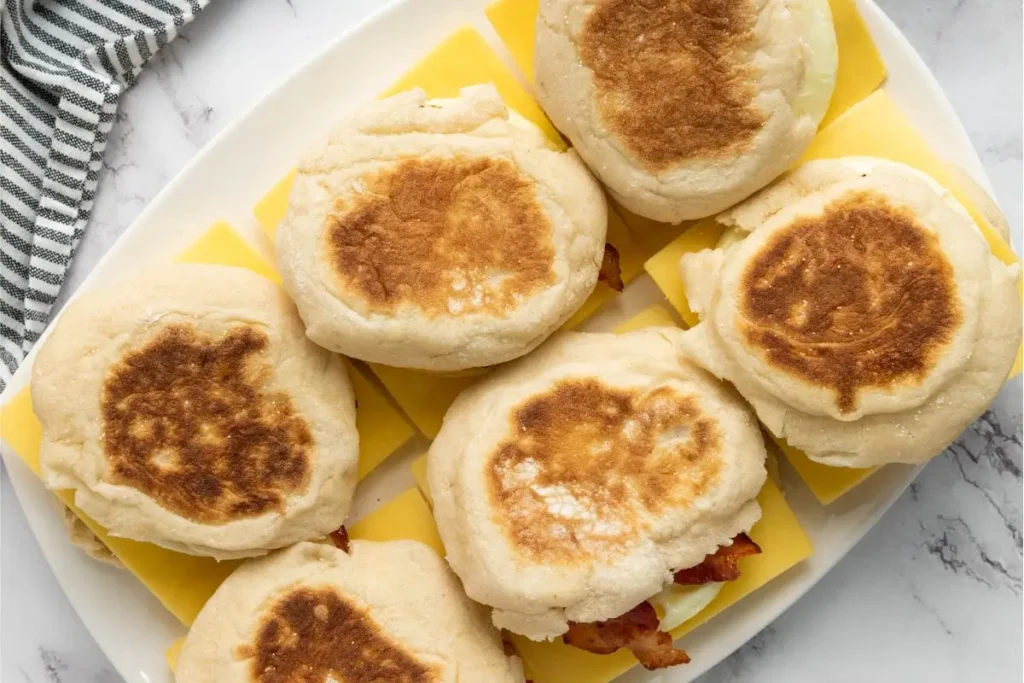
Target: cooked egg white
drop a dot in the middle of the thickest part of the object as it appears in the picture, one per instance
(822, 54)
(676, 604)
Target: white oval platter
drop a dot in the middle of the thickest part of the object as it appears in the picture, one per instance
(227, 178)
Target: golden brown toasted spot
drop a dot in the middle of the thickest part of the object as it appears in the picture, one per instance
(314, 635)
(859, 297)
(586, 463)
(452, 235)
(670, 79)
(186, 420)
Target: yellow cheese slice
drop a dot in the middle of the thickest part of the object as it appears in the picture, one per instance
(172, 653)
(20, 428)
(663, 267)
(182, 582)
(424, 396)
(221, 245)
(382, 428)
(465, 58)
(861, 69)
(598, 298)
(827, 483)
(515, 22)
(270, 210)
(874, 127)
(404, 517)
(652, 316)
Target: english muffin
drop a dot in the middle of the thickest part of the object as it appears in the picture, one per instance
(440, 234)
(685, 107)
(573, 485)
(862, 313)
(186, 408)
(381, 612)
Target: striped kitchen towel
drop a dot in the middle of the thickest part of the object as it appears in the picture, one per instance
(63, 66)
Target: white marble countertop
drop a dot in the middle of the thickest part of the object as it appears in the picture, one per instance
(933, 592)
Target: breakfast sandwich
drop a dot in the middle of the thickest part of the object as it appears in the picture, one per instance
(440, 234)
(583, 491)
(313, 612)
(857, 306)
(186, 408)
(685, 107)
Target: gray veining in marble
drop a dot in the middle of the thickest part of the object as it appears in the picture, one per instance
(933, 592)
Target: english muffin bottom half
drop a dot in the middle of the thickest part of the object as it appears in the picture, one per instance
(860, 310)
(380, 612)
(187, 408)
(574, 484)
(440, 234)
(685, 107)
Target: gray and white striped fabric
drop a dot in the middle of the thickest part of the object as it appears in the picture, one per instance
(63, 66)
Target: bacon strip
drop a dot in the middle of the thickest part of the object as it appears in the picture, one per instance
(636, 630)
(721, 566)
(340, 538)
(611, 273)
